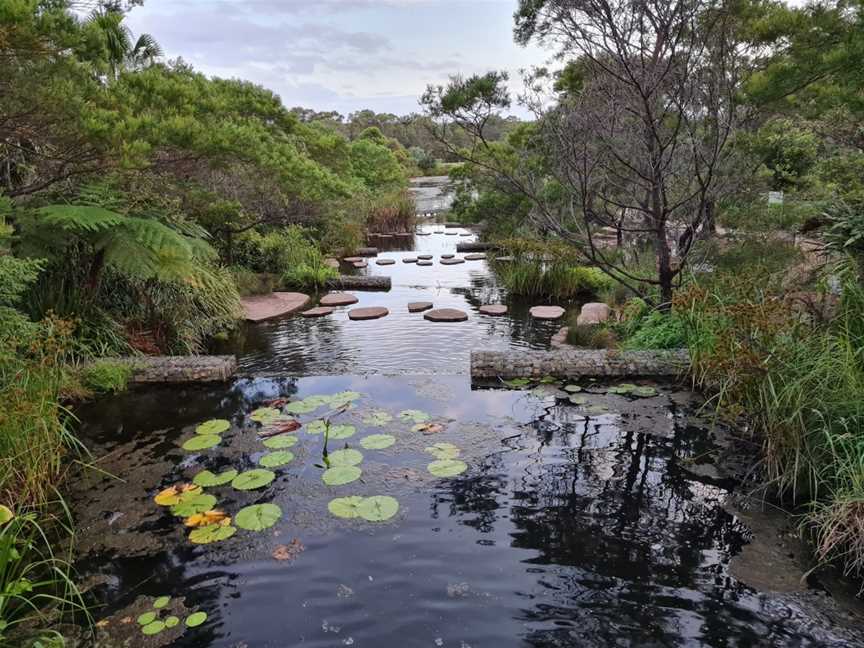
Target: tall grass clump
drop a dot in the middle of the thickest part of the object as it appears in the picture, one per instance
(391, 212)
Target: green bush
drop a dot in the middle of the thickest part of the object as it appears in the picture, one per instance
(106, 376)
(657, 331)
(590, 336)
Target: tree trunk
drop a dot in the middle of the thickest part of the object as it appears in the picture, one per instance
(665, 275)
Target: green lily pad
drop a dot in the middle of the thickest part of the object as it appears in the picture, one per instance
(377, 441)
(377, 418)
(6, 514)
(414, 416)
(280, 441)
(317, 400)
(346, 457)
(153, 628)
(339, 475)
(625, 388)
(202, 442)
(161, 602)
(300, 407)
(211, 533)
(579, 400)
(213, 426)
(548, 380)
(572, 389)
(207, 479)
(444, 451)
(147, 617)
(342, 431)
(644, 392)
(378, 508)
(276, 459)
(343, 398)
(517, 382)
(265, 415)
(193, 505)
(252, 479)
(447, 467)
(171, 621)
(597, 409)
(258, 517)
(316, 427)
(196, 619)
(345, 507)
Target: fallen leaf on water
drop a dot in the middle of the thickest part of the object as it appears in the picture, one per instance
(279, 427)
(207, 518)
(289, 551)
(428, 428)
(126, 620)
(176, 493)
(276, 402)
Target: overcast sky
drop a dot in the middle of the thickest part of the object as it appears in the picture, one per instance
(340, 55)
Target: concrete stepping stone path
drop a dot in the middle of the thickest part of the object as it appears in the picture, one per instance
(446, 315)
(424, 262)
(474, 257)
(338, 299)
(264, 307)
(452, 261)
(419, 307)
(493, 309)
(546, 312)
(360, 264)
(409, 260)
(319, 311)
(369, 313)
(353, 259)
(447, 256)
(424, 257)
(385, 262)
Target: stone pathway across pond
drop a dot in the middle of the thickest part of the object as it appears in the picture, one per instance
(446, 315)
(264, 307)
(338, 299)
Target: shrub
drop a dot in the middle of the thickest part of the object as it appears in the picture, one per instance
(657, 331)
(590, 336)
(106, 376)
(249, 282)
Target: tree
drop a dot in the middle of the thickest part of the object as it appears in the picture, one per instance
(637, 141)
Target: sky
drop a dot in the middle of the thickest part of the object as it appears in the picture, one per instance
(342, 55)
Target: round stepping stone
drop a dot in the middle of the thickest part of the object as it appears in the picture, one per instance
(409, 260)
(452, 261)
(338, 299)
(451, 233)
(546, 312)
(423, 233)
(439, 231)
(385, 262)
(446, 315)
(352, 259)
(425, 263)
(493, 309)
(424, 257)
(372, 312)
(320, 311)
(447, 256)
(475, 257)
(419, 307)
(465, 234)
(359, 264)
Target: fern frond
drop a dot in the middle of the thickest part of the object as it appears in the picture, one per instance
(79, 219)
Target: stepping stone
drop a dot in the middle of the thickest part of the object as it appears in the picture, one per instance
(446, 315)
(425, 263)
(465, 234)
(373, 312)
(385, 262)
(423, 233)
(320, 311)
(409, 260)
(447, 256)
(439, 231)
(360, 264)
(547, 312)
(475, 257)
(419, 307)
(452, 261)
(338, 299)
(493, 309)
(367, 251)
(424, 257)
(352, 259)
(263, 307)
(451, 233)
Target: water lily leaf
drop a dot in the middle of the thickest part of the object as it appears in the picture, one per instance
(177, 493)
(316, 427)
(202, 442)
(378, 508)
(171, 621)
(346, 457)
(276, 459)
(573, 389)
(377, 441)
(258, 517)
(548, 380)
(300, 407)
(339, 475)
(444, 451)
(317, 400)
(343, 398)
(280, 442)
(212, 533)
(252, 479)
(428, 428)
(193, 505)
(265, 415)
(153, 628)
(579, 400)
(624, 388)
(414, 416)
(6, 514)
(161, 602)
(147, 617)
(342, 431)
(517, 382)
(196, 619)
(447, 467)
(597, 409)
(213, 426)
(207, 518)
(644, 392)
(345, 507)
(208, 479)
(377, 418)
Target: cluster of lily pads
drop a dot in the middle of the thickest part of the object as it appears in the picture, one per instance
(571, 392)
(152, 623)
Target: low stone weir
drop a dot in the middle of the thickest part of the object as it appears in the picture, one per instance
(359, 282)
(578, 362)
(474, 247)
(181, 369)
(366, 252)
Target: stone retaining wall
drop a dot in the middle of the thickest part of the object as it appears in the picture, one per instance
(181, 369)
(578, 362)
(359, 282)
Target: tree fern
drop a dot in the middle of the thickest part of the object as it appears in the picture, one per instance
(79, 219)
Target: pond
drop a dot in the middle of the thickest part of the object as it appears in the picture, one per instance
(419, 509)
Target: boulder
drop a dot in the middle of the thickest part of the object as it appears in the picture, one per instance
(594, 313)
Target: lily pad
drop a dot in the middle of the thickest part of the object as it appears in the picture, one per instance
(339, 475)
(258, 517)
(343, 398)
(447, 467)
(147, 617)
(265, 415)
(579, 400)
(516, 383)
(207, 518)
(212, 533)
(171, 621)
(378, 508)
(276, 459)
(193, 505)
(153, 628)
(342, 431)
(624, 388)
(414, 416)
(280, 442)
(177, 493)
(346, 457)
(345, 507)
(572, 389)
(6, 514)
(597, 409)
(300, 407)
(377, 418)
(202, 442)
(161, 602)
(196, 619)
(213, 426)
(377, 441)
(317, 400)
(644, 392)
(252, 479)
(316, 427)
(548, 380)
(444, 451)
(208, 479)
